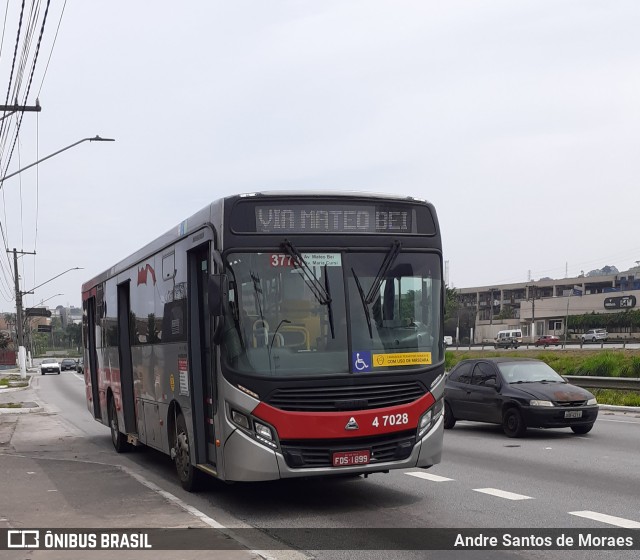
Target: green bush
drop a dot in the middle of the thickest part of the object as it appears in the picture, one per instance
(617, 398)
(606, 363)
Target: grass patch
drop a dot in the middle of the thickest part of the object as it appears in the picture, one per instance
(11, 405)
(604, 363)
(13, 381)
(617, 398)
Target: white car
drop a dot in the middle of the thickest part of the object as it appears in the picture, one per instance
(49, 365)
(595, 335)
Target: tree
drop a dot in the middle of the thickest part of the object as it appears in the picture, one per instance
(5, 340)
(451, 304)
(505, 313)
(604, 271)
(73, 334)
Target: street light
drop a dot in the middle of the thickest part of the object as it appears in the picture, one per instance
(21, 349)
(96, 138)
(47, 299)
(50, 279)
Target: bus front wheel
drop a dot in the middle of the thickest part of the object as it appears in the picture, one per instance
(189, 476)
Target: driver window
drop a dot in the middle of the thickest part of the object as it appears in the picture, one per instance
(482, 373)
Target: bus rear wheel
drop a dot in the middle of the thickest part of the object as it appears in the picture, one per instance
(189, 476)
(117, 437)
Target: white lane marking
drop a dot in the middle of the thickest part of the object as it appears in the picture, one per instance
(431, 477)
(193, 511)
(610, 519)
(502, 494)
(78, 376)
(190, 509)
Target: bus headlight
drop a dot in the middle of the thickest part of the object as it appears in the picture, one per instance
(257, 429)
(240, 419)
(264, 434)
(429, 418)
(425, 422)
(264, 431)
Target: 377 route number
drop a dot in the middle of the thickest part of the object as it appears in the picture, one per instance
(391, 420)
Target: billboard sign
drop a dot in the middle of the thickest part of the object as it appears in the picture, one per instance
(620, 302)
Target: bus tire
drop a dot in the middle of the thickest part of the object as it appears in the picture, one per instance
(118, 439)
(190, 477)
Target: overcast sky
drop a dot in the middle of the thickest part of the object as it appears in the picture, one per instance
(519, 120)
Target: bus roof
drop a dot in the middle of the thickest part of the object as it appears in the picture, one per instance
(213, 212)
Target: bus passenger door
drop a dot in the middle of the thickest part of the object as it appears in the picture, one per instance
(200, 356)
(126, 366)
(93, 358)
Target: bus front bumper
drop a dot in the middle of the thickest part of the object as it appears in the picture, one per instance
(247, 460)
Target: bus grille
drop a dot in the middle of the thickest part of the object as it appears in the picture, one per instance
(319, 453)
(351, 397)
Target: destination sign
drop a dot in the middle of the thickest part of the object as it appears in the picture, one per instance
(335, 216)
(320, 219)
(620, 302)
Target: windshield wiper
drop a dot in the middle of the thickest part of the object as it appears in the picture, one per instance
(363, 299)
(387, 263)
(327, 290)
(321, 293)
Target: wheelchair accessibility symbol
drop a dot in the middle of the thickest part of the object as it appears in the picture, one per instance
(361, 361)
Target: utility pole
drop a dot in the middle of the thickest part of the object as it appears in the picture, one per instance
(19, 109)
(19, 324)
(22, 108)
(491, 302)
(533, 312)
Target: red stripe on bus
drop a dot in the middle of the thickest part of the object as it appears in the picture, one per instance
(332, 425)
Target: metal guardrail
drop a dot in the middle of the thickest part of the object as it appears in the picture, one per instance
(489, 344)
(592, 382)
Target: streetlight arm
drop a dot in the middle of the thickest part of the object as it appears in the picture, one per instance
(96, 138)
(50, 279)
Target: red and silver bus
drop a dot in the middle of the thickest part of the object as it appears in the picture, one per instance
(275, 335)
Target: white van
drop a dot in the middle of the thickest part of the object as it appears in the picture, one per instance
(508, 339)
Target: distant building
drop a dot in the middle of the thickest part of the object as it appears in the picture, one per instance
(68, 315)
(542, 307)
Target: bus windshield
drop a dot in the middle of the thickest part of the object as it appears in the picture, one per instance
(288, 318)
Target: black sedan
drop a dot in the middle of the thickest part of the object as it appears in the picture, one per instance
(68, 364)
(518, 393)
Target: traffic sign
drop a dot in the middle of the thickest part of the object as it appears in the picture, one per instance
(37, 312)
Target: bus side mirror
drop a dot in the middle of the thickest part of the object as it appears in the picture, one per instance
(218, 292)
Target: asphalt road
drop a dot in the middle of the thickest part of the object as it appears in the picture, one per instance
(549, 479)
